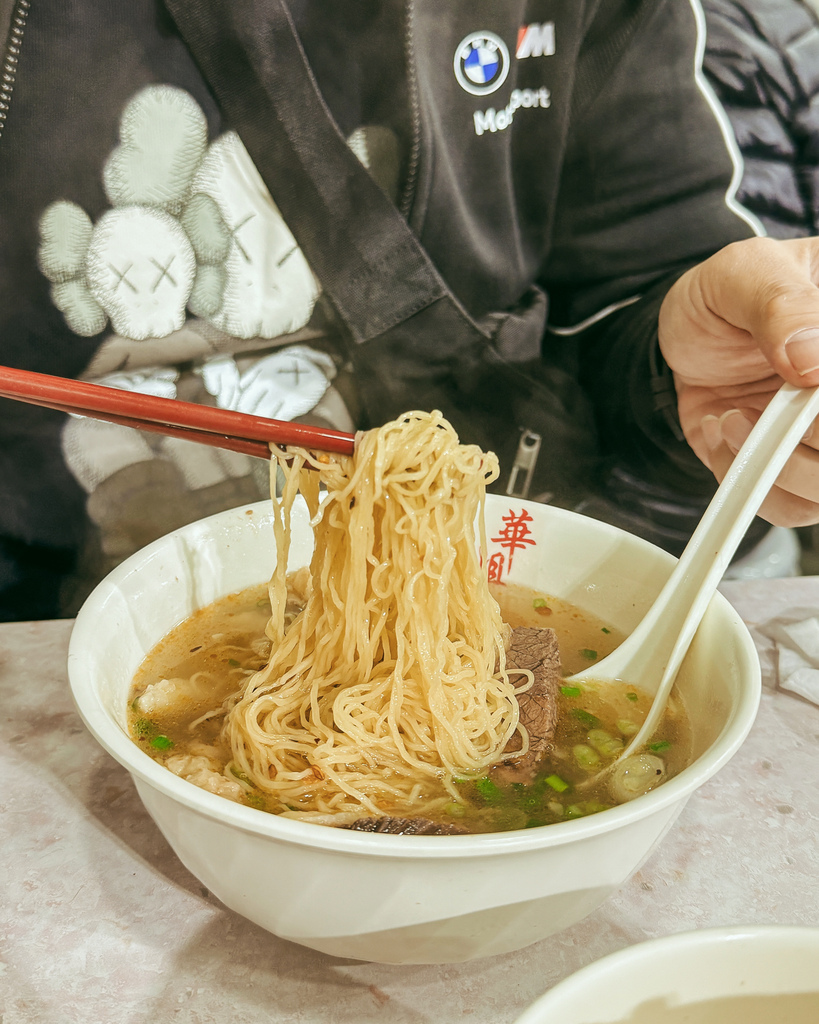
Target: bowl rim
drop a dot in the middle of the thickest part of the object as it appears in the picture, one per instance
(677, 942)
(486, 844)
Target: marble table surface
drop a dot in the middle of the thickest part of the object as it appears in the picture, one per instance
(100, 924)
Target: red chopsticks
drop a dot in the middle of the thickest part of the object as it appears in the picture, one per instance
(219, 428)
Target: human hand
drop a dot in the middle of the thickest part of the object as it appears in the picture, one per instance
(732, 329)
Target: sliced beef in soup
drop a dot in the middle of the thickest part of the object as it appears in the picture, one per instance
(406, 827)
(534, 649)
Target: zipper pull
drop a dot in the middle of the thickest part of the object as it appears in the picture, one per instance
(524, 464)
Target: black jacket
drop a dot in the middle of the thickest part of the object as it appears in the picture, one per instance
(762, 59)
(556, 159)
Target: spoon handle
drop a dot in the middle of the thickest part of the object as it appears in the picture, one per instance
(651, 655)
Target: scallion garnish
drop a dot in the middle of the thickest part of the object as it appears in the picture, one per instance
(585, 756)
(570, 691)
(586, 717)
(488, 790)
(604, 743)
(557, 784)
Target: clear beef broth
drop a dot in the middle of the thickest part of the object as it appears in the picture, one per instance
(208, 657)
(178, 699)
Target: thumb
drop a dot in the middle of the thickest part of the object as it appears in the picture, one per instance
(801, 350)
(767, 288)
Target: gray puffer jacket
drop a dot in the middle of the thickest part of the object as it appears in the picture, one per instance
(763, 62)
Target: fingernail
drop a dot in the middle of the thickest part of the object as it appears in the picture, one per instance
(711, 433)
(802, 350)
(735, 427)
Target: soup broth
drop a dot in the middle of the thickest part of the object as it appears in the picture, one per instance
(186, 684)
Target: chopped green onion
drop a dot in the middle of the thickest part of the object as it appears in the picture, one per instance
(455, 810)
(144, 728)
(488, 790)
(570, 691)
(632, 696)
(604, 630)
(627, 727)
(588, 653)
(585, 756)
(594, 806)
(586, 717)
(539, 602)
(659, 745)
(558, 785)
(605, 743)
(233, 663)
(162, 742)
(573, 811)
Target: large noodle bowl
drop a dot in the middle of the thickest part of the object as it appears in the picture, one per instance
(383, 686)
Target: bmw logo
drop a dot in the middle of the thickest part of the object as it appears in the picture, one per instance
(481, 63)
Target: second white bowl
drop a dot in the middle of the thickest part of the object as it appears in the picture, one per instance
(765, 974)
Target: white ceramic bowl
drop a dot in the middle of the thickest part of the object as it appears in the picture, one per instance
(399, 899)
(765, 974)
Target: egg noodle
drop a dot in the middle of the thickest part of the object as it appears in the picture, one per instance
(391, 682)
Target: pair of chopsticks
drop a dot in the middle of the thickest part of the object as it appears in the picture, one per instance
(219, 428)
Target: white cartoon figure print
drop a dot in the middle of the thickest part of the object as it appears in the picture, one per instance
(268, 288)
(192, 227)
(201, 286)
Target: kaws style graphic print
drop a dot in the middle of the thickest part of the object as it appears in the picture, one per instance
(200, 284)
(191, 225)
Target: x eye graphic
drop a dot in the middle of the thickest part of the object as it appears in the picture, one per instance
(163, 273)
(121, 278)
(234, 231)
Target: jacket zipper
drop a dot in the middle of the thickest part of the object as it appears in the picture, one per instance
(405, 203)
(8, 70)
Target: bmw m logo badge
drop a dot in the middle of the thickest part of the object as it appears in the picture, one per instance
(481, 63)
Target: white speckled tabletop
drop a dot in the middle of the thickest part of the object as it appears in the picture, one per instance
(100, 924)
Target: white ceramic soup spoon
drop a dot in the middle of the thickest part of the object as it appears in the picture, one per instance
(650, 656)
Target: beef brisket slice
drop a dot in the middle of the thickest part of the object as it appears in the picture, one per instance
(406, 827)
(535, 649)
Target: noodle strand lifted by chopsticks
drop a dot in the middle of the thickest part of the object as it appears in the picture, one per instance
(391, 682)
